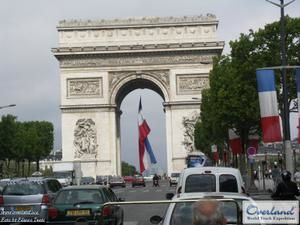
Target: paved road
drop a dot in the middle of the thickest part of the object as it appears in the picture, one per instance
(140, 214)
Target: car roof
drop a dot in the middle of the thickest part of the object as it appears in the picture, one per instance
(211, 169)
(218, 195)
(79, 187)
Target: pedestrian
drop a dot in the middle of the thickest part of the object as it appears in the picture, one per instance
(255, 175)
(297, 177)
(276, 175)
(286, 189)
(208, 212)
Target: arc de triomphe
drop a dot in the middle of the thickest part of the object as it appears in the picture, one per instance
(102, 61)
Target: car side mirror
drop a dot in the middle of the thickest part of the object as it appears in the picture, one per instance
(169, 196)
(121, 199)
(155, 219)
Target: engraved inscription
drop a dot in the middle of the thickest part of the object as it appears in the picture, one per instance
(192, 84)
(85, 87)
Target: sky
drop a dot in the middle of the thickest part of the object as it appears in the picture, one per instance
(29, 73)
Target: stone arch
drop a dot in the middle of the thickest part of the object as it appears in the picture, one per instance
(134, 80)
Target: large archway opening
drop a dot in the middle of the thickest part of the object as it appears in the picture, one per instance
(153, 111)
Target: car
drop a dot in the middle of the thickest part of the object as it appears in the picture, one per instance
(87, 180)
(180, 210)
(128, 179)
(102, 180)
(28, 199)
(117, 181)
(173, 178)
(83, 205)
(210, 179)
(149, 178)
(138, 181)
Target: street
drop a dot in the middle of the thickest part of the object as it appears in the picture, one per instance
(140, 214)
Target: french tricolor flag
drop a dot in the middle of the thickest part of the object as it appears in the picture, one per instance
(298, 95)
(145, 150)
(268, 105)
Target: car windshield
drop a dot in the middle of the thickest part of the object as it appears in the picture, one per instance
(183, 213)
(67, 197)
(175, 174)
(200, 183)
(116, 179)
(24, 188)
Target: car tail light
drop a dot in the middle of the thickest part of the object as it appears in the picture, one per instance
(1, 200)
(52, 213)
(45, 199)
(106, 211)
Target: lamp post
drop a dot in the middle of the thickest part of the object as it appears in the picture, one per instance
(7, 106)
(285, 121)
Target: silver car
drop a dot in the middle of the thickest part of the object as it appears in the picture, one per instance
(27, 199)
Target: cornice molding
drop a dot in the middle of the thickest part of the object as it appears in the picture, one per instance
(136, 21)
(204, 46)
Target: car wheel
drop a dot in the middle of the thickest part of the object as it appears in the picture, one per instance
(133, 185)
(144, 185)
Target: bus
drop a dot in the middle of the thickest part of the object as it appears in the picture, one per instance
(197, 159)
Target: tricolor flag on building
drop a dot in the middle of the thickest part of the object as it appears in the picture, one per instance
(145, 150)
(298, 95)
(268, 105)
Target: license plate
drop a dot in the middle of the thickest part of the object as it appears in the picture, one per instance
(23, 208)
(78, 212)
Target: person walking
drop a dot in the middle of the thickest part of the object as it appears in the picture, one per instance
(276, 176)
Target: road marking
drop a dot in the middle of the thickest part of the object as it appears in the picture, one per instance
(146, 190)
(132, 191)
(158, 190)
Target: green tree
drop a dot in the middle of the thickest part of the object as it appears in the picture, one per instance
(127, 169)
(8, 133)
(42, 140)
(232, 101)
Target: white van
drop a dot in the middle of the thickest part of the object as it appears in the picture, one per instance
(173, 178)
(210, 179)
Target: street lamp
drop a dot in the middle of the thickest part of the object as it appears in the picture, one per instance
(285, 121)
(7, 106)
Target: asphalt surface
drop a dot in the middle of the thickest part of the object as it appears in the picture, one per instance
(140, 214)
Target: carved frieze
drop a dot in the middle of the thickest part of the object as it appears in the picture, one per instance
(85, 139)
(191, 83)
(189, 123)
(161, 75)
(70, 62)
(84, 87)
